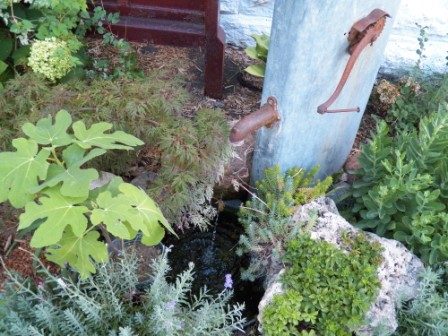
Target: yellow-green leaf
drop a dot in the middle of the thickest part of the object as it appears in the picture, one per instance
(256, 69)
(78, 252)
(95, 136)
(75, 180)
(147, 217)
(47, 133)
(113, 212)
(56, 212)
(21, 171)
(251, 52)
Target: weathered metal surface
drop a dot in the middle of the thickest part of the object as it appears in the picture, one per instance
(267, 116)
(303, 80)
(374, 21)
(362, 33)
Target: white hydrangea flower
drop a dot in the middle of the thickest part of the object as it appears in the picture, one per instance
(51, 58)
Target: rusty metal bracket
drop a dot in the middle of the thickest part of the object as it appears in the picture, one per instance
(363, 32)
(267, 116)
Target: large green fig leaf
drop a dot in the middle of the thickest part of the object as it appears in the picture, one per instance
(95, 136)
(113, 212)
(47, 133)
(78, 252)
(129, 212)
(75, 181)
(57, 212)
(21, 171)
(147, 217)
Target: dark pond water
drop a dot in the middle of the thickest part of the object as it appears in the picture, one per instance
(213, 253)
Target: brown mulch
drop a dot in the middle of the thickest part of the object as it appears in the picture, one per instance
(368, 125)
(15, 253)
(237, 100)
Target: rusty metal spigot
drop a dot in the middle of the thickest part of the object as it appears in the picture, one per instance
(363, 32)
(267, 116)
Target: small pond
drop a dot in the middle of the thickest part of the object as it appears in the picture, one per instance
(213, 253)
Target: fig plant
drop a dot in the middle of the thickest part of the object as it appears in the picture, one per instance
(46, 176)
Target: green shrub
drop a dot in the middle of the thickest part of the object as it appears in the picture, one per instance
(402, 192)
(24, 22)
(42, 19)
(416, 101)
(110, 303)
(186, 152)
(327, 291)
(403, 187)
(267, 217)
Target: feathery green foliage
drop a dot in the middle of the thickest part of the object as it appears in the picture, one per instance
(267, 217)
(403, 186)
(427, 313)
(110, 303)
(186, 153)
(326, 291)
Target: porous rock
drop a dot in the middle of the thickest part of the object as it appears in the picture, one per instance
(103, 179)
(398, 273)
(144, 179)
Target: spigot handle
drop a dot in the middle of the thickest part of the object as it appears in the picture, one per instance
(363, 32)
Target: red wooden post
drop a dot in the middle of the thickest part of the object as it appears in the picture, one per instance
(185, 23)
(214, 50)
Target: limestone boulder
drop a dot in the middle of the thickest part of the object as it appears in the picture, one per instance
(398, 273)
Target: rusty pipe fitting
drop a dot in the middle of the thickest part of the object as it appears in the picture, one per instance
(267, 116)
(363, 32)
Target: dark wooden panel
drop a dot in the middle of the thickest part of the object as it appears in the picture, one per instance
(163, 32)
(156, 12)
(182, 4)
